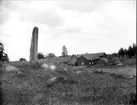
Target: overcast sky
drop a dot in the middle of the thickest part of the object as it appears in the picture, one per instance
(82, 26)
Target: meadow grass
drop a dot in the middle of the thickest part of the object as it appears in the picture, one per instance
(127, 61)
(87, 88)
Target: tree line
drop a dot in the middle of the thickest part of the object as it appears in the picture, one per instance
(4, 56)
(130, 52)
(51, 55)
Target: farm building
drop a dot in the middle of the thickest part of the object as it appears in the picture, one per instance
(82, 61)
(72, 60)
(85, 59)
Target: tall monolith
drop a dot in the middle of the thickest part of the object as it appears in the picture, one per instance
(34, 45)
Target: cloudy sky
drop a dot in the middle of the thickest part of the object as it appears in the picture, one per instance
(82, 26)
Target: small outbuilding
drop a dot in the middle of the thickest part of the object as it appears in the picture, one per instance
(72, 60)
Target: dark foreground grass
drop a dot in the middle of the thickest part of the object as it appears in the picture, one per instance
(76, 89)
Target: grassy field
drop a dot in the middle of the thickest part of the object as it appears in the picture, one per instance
(87, 87)
(127, 61)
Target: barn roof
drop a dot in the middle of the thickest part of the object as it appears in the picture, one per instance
(93, 56)
(72, 61)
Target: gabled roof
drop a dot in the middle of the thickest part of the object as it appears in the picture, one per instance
(72, 60)
(93, 56)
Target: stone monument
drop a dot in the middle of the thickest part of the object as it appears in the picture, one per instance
(34, 45)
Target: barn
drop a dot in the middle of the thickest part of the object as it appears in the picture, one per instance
(86, 59)
(82, 61)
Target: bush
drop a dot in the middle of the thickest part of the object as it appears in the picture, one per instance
(22, 59)
(41, 56)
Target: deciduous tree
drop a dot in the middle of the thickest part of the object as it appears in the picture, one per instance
(65, 52)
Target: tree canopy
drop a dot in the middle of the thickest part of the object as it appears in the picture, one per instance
(65, 52)
(41, 56)
(131, 51)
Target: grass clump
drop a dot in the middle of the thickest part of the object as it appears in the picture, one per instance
(118, 76)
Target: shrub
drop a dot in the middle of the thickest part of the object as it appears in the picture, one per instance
(41, 56)
(22, 59)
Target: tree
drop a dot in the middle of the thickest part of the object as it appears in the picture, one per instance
(121, 52)
(3, 56)
(41, 56)
(130, 52)
(22, 59)
(114, 54)
(65, 52)
(125, 52)
(51, 55)
(134, 48)
(1, 48)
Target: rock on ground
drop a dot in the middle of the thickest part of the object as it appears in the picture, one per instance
(9, 68)
(52, 67)
(53, 79)
(21, 74)
(45, 65)
(78, 72)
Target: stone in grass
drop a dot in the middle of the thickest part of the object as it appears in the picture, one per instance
(10, 68)
(44, 65)
(52, 67)
(53, 79)
(20, 74)
(51, 82)
(78, 72)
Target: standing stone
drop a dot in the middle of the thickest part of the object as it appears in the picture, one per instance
(34, 45)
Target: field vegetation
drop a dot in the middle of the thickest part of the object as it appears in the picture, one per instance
(87, 87)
